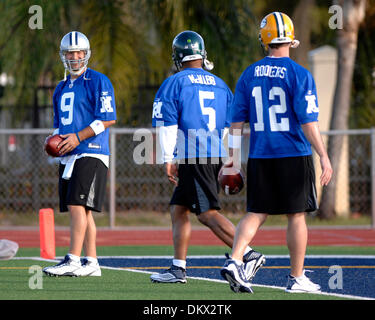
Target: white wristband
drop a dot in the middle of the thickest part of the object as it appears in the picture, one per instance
(234, 142)
(97, 126)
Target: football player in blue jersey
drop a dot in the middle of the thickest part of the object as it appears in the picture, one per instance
(84, 108)
(191, 111)
(278, 99)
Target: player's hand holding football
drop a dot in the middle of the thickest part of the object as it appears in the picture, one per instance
(69, 143)
(231, 163)
(228, 163)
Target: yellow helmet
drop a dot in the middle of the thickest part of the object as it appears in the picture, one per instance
(275, 28)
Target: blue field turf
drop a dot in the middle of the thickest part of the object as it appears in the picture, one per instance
(358, 273)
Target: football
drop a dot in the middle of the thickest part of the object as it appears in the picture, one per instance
(231, 180)
(51, 144)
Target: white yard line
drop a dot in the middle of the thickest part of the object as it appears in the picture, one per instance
(221, 256)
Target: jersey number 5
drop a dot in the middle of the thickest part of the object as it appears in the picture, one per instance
(209, 111)
(283, 124)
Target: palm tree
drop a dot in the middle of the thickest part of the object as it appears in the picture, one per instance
(119, 47)
(363, 105)
(130, 41)
(353, 15)
(303, 22)
(229, 29)
(29, 55)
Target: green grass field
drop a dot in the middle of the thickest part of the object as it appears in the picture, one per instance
(127, 285)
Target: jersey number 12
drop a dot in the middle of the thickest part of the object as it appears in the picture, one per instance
(283, 124)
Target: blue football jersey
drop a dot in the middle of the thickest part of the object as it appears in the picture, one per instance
(90, 97)
(199, 103)
(276, 96)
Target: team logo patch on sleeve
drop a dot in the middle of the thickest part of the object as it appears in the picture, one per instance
(156, 111)
(311, 103)
(106, 101)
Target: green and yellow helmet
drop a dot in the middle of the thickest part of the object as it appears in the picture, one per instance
(187, 46)
(276, 28)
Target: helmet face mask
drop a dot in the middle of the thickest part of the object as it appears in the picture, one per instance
(277, 28)
(75, 65)
(72, 42)
(188, 46)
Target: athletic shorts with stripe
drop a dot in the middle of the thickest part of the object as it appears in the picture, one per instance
(281, 185)
(86, 187)
(198, 187)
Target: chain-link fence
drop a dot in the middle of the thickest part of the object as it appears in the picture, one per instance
(28, 178)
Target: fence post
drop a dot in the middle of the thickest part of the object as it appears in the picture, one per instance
(112, 181)
(373, 177)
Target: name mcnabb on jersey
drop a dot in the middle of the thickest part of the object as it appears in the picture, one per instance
(202, 79)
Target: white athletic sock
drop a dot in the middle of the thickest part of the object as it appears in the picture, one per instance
(238, 262)
(74, 257)
(92, 259)
(179, 263)
(247, 250)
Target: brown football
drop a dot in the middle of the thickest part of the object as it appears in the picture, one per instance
(51, 144)
(231, 180)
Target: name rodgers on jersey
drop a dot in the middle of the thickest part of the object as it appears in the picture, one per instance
(270, 71)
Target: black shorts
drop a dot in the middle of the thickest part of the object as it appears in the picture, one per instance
(86, 187)
(281, 186)
(198, 187)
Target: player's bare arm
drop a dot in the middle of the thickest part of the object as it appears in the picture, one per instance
(171, 172)
(312, 133)
(72, 140)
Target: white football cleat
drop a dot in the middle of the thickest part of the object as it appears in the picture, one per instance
(89, 268)
(67, 267)
(301, 284)
(172, 275)
(235, 275)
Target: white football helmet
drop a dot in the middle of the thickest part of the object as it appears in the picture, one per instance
(75, 41)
